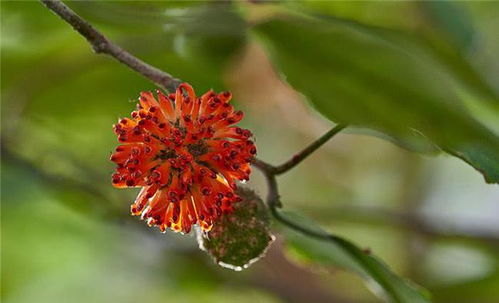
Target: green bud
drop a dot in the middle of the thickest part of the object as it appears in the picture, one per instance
(240, 238)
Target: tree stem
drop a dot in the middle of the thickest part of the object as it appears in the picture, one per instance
(302, 155)
(100, 44)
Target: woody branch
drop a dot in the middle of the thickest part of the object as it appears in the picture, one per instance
(101, 44)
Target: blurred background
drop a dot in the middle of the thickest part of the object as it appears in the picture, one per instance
(67, 235)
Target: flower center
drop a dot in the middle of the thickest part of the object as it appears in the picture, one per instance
(197, 149)
(166, 154)
(177, 151)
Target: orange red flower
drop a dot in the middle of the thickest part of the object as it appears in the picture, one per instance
(186, 154)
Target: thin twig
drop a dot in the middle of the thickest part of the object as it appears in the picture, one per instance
(273, 198)
(273, 201)
(263, 166)
(270, 171)
(302, 155)
(302, 229)
(268, 168)
(101, 45)
(362, 258)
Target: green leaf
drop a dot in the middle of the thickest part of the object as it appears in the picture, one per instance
(451, 19)
(387, 81)
(340, 252)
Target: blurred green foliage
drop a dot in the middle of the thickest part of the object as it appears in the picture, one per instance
(396, 87)
(417, 73)
(342, 253)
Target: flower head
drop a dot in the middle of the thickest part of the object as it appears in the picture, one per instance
(186, 155)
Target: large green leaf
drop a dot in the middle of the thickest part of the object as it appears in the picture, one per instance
(340, 252)
(452, 20)
(387, 81)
